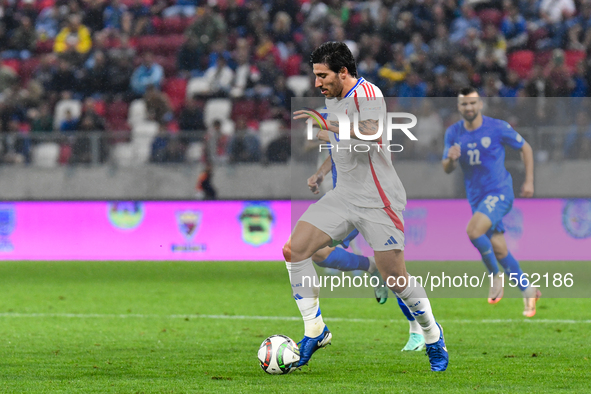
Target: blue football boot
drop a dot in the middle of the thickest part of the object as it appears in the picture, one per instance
(437, 352)
(309, 345)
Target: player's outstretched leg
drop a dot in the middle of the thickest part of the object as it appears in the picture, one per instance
(298, 252)
(513, 271)
(416, 341)
(340, 259)
(411, 292)
(477, 228)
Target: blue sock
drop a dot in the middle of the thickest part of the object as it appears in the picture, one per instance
(405, 310)
(345, 261)
(484, 246)
(511, 266)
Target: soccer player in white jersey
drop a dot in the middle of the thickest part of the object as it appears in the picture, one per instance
(369, 196)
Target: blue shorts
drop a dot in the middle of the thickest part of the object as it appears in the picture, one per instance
(495, 205)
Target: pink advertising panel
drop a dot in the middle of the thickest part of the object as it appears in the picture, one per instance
(256, 231)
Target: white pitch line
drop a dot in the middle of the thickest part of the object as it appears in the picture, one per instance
(280, 318)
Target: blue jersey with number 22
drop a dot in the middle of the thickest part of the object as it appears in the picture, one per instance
(483, 155)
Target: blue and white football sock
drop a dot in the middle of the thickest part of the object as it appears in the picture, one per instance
(511, 266)
(414, 328)
(485, 248)
(342, 260)
(306, 297)
(415, 298)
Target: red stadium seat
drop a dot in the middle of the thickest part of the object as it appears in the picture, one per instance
(490, 16)
(15, 64)
(170, 45)
(572, 58)
(173, 25)
(149, 44)
(44, 46)
(175, 89)
(543, 58)
(244, 108)
(521, 62)
(28, 68)
(168, 63)
(116, 115)
(292, 65)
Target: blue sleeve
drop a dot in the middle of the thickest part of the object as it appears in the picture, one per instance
(448, 141)
(510, 137)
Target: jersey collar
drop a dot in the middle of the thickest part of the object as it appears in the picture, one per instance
(359, 82)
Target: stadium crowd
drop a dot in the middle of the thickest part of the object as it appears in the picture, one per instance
(144, 71)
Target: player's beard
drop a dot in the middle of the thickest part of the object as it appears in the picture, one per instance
(470, 118)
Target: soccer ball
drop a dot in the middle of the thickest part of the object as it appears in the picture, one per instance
(279, 355)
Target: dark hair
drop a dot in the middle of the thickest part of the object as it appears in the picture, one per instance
(466, 91)
(335, 55)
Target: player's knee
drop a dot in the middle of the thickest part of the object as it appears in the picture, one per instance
(287, 251)
(501, 251)
(472, 231)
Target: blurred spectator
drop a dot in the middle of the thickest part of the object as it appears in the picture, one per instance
(166, 148)
(137, 18)
(45, 71)
(120, 71)
(82, 148)
(94, 15)
(514, 27)
(23, 39)
(494, 43)
(416, 44)
(470, 44)
(411, 92)
(8, 78)
(246, 75)
(468, 19)
(282, 94)
(430, 132)
(146, 74)
(220, 78)
(560, 82)
(70, 123)
(41, 119)
(17, 145)
(113, 14)
(207, 28)
(441, 50)
(244, 146)
(393, 73)
(96, 77)
(63, 78)
(157, 103)
(47, 23)
(184, 8)
(204, 187)
(189, 57)
(73, 39)
(279, 150)
(488, 66)
(191, 119)
(369, 68)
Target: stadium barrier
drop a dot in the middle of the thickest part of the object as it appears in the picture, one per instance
(537, 229)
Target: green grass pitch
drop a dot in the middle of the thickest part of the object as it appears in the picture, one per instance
(182, 327)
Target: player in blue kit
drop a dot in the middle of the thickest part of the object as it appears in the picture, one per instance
(478, 143)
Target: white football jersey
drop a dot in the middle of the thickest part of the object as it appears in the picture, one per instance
(364, 178)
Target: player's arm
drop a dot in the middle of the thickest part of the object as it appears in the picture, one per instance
(527, 155)
(451, 152)
(315, 180)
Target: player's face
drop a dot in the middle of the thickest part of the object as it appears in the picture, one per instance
(327, 80)
(469, 106)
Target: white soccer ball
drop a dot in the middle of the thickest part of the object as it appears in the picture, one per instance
(279, 355)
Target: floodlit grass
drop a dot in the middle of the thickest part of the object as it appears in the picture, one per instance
(179, 327)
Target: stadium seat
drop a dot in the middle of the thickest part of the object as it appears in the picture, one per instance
(142, 136)
(521, 62)
(15, 64)
(543, 57)
(46, 154)
(62, 107)
(173, 25)
(45, 46)
(216, 109)
(299, 84)
(268, 131)
(27, 69)
(149, 44)
(197, 86)
(572, 58)
(176, 90)
(168, 63)
(194, 152)
(137, 112)
(122, 154)
(244, 108)
(116, 114)
(170, 45)
(292, 65)
(490, 16)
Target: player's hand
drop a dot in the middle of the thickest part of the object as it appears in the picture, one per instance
(302, 114)
(527, 189)
(314, 183)
(454, 152)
